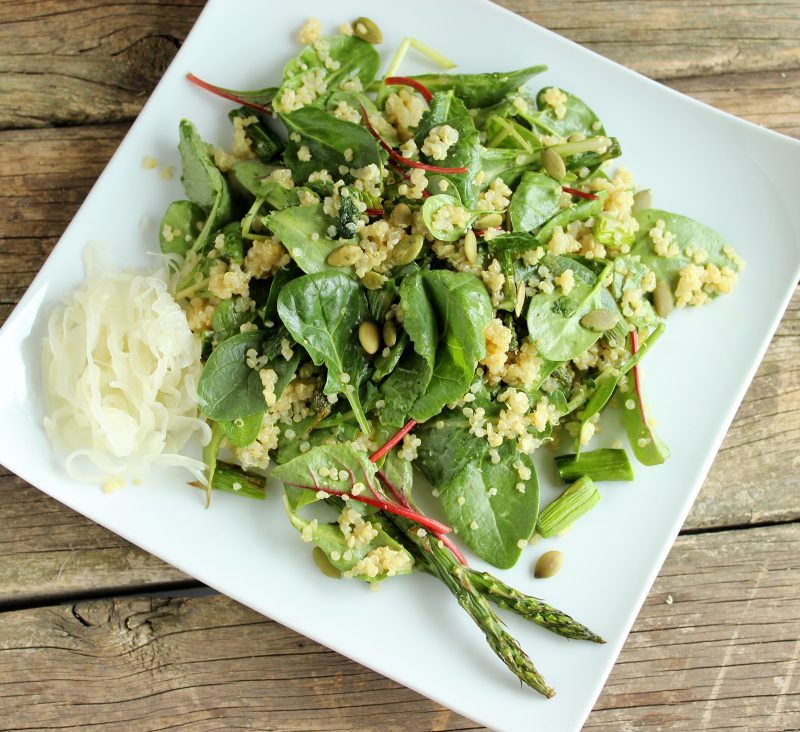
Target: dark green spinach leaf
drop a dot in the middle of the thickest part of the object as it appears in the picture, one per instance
(480, 90)
(204, 184)
(556, 328)
(688, 234)
(446, 109)
(180, 226)
(228, 388)
(322, 311)
(348, 58)
(327, 138)
(535, 200)
(303, 230)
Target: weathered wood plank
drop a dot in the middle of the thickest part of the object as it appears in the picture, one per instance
(723, 655)
(667, 39)
(768, 98)
(76, 62)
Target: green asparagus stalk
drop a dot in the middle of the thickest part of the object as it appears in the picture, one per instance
(231, 478)
(575, 501)
(605, 464)
(456, 577)
(530, 608)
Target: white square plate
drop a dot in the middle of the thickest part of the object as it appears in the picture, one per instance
(739, 179)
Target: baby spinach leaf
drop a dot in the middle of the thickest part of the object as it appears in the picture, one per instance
(514, 243)
(433, 204)
(263, 141)
(688, 234)
(180, 226)
(628, 275)
(554, 319)
(492, 525)
(251, 177)
(403, 387)
(480, 90)
(419, 320)
(304, 470)
(329, 538)
(327, 138)
(384, 365)
(445, 451)
(535, 200)
(204, 184)
(577, 118)
(505, 163)
(480, 498)
(576, 212)
(446, 109)
(322, 312)
(269, 311)
(445, 316)
(355, 59)
(356, 100)
(296, 227)
(228, 388)
(243, 431)
(229, 316)
(462, 310)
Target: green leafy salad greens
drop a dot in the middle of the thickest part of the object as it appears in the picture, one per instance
(440, 273)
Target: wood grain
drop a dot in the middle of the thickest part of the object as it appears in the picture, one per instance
(671, 39)
(724, 653)
(78, 61)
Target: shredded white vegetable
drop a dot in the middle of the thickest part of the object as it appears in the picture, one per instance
(120, 367)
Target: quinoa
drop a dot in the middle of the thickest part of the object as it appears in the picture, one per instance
(439, 140)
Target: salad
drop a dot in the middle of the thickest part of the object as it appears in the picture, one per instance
(436, 274)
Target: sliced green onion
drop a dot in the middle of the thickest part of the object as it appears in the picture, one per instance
(568, 507)
(398, 57)
(605, 464)
(431, 53)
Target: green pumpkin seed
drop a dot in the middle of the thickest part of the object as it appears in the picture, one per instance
(407, 249)
(369, 336)
(367, 30)
(663, 300)
(599, 320)
(642, 201)
(389, 333)
(489, 221)
(520, 301)
(324, 564)
(372, 280)
(548, 564)
(401, 215)
(344, 256)
(553, 164)
(470, 247)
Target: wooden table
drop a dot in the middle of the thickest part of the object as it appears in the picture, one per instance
(94, 631)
